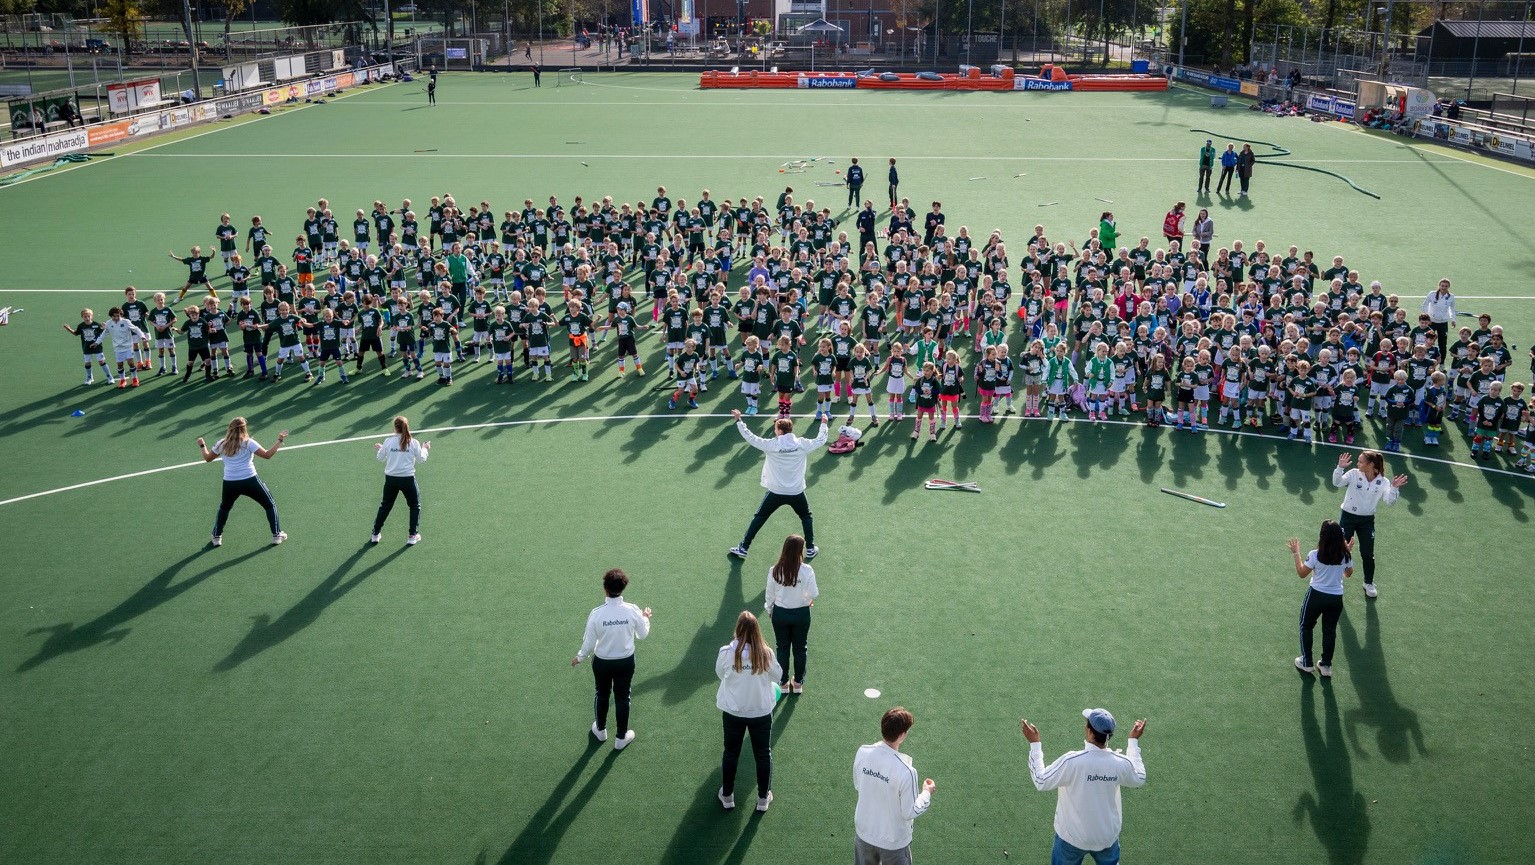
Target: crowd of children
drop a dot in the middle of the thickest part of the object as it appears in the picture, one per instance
(775, 293)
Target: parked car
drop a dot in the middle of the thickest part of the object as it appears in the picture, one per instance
(98, 46)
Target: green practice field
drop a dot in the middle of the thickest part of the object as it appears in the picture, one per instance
(328, 701)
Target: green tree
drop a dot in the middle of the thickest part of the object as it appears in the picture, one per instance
(125, 20)
(232, 8)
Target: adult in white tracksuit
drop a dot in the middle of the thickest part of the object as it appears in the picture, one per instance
(783, 475)
(1439, 306)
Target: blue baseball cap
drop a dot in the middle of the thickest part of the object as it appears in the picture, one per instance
(1100, 720)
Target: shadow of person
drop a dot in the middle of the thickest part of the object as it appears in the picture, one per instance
(541, 836)
(695, 668)
(1336, 810)
(1397, 731)
(267, 632)
(705, 833)
(108, 627)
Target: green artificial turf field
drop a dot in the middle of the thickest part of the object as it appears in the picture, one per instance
(328, 701)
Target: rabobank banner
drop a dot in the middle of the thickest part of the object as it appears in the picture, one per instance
(828, 82)
(1021, 83)
(641, 13)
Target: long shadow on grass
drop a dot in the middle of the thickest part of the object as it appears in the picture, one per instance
(108, 627)
(267, 632)
(1336, 810)
(696, 667)
(706, 833)
(1396, 727)
(541, 836)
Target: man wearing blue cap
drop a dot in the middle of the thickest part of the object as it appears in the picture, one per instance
(1088, 814)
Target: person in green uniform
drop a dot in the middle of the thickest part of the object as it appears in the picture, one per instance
(330, 344)
(196, 332)
(1206, 166)
(290, 332)
(577, 323)
(503, 336)
(197, 272)
(750, 365)
(162, 326)
(441, 333)
(926, 392)
(627, 328)
(369, 326)
(248, 320)
(536, 324)
(784, 366)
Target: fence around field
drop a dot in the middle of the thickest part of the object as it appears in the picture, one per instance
(161, 43)
(801, 52)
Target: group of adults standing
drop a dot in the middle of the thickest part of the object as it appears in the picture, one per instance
(753, 678)
(1232, 162)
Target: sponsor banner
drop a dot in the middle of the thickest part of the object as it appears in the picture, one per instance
(44, 147)
(829, 82)
(1021, 83)
(345, 80)
(1193, 76)
(117, 130)
(1318, 102)
(1249, 88)
(1221, 82)
(131, 95)
(1418, 103)
(238, 104)
(1343, 108)
(279, 95)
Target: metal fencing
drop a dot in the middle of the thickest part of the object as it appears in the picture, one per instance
(895, 50)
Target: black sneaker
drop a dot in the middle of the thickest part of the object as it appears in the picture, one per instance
(811, 552)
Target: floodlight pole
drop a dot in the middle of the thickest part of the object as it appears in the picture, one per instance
(1519, 51)
(1183, 31)
(186, 17)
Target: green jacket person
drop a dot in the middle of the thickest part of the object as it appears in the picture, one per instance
(1206, 165)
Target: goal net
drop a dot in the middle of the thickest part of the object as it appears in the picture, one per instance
(567, 77)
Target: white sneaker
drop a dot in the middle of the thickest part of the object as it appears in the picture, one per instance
(623, 741)
(738, 551)
(375, 538)
(765, 801)
(1324, 671)
(279, 538)
(728, 801)
(602, 735)
(1370, 591)
(1300, 664)
(217, 541)
(811, 552)
(796, 688)
(413, 539)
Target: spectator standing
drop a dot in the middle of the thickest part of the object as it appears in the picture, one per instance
(1228, 168)
(1245, 162)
